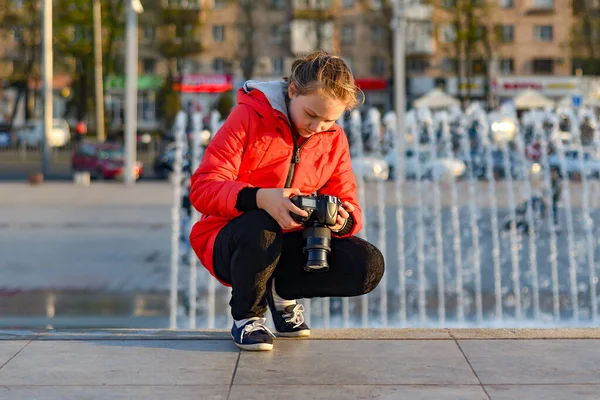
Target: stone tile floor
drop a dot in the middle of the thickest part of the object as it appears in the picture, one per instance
(333, 364)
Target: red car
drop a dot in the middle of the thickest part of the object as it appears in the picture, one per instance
(102, 160)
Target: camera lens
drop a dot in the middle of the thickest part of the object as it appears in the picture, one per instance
(318, 240)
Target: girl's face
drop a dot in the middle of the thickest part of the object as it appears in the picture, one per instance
(314, 112)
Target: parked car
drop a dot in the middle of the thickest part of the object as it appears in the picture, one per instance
(32, 133)
(102, 160)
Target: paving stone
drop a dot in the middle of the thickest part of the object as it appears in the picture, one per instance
(546, 392)
(345, 392)
(534, 361)
(9, 348)
(166, 362)
(204, 392)
(341, 362)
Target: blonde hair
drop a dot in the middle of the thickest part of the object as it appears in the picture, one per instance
(326, 74)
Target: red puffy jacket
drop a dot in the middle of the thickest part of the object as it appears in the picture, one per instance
(254, 148)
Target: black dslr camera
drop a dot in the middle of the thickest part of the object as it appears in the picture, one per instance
(322, 212)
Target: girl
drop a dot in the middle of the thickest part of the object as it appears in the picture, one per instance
(281, 140)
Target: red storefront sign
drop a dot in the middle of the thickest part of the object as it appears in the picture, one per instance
(204, 83)
(522, 85)
(371, 84)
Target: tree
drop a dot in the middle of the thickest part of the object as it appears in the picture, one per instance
(24, 24)
(471, 41)
(320, 16)
(178, 32)
(73, 33)
(585, 37)
(247, 32)
(178, 29)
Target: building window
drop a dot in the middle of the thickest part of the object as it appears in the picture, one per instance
(376, 4)
(78, 33)
(182, 4)
(219, 33)
(187, 66)
(149, 65)
(507, 66)
(17, 34)
(543, 33)
(348, 4)
(278, 65)
(219, 4)
(184, 31)
(277, 4)
(219, 64)
(507, 3)
(480, 31)
(417, 65)
(448, 33)
(312, 4)
(378, 65)
(377, 33)
(450, 65)
(543, 66)
(149, 32)
(146, 107)
(347, 36)
(505, 33)
(276, 34)
(544, 3)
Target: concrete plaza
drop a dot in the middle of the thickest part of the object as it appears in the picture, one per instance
(333, 364)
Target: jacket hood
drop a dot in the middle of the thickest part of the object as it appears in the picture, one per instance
(274, 92)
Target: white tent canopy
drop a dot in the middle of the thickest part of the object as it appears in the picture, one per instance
(436, 99)
(566, 101)
(530, 98)
(592, 99)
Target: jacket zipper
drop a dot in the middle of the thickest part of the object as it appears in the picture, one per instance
(295, 160)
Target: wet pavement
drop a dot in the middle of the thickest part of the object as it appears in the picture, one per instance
(106, 237)
(333, 364)
(111, 242)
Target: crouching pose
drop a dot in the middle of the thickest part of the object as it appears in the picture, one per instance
(279, 202)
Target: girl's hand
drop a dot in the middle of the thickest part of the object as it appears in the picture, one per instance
(277, 203)
(343, 214)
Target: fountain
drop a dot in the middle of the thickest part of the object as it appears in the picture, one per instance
(467, 230)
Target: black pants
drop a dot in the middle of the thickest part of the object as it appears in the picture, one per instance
(251, 249)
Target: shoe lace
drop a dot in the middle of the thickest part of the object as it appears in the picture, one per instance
(295, 316)
(256, 325)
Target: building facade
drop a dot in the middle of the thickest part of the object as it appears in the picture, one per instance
(212, 46)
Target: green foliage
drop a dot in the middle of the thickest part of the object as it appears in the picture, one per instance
(168, 102)
(584, 43)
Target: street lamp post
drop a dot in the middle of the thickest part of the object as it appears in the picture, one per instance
(399, 28)
(97, 11)
(48, 73)
(131, 59)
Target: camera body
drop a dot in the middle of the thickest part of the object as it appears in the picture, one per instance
(322, 209)
(322, 212)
